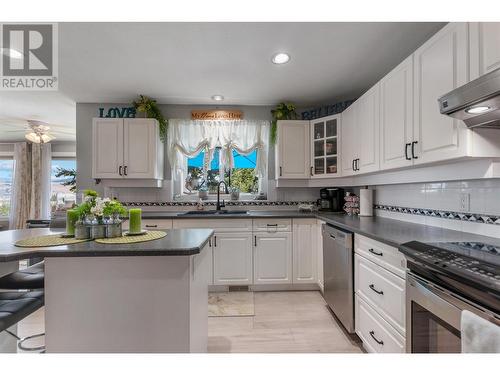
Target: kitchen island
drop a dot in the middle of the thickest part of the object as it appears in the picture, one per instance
(142, 297)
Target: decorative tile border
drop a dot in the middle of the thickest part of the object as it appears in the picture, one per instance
(452, 215)
(213, 203)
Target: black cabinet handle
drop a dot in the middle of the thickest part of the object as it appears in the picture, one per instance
(353, 167)
(120, 170)
(255, 241)
(332, 236)
(281, 174)
(357, 164)
(375, 253)
(215, 241)
(312, 173)
(125, 170)
(372, 334)
(413, 149)
(272, 225)
(151, 225)
(406, 151)
(210, 242)
(372, 287)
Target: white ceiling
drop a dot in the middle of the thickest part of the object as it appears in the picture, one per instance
(186, 63)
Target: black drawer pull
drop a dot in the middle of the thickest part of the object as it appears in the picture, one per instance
(151, 225)
(375, 253)
(120, 170)
(372, 287)
(255, 241)
(413, 149)
(406, 151)
(332, 236)
(372, 334)
(215, 241)
(272, 225)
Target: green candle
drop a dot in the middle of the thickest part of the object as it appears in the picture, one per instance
(71, 218)
(134, 215)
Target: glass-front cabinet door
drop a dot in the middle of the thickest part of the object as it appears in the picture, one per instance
(325, 146)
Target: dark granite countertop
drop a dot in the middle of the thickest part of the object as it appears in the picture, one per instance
(177, 242)
(390, 231)
(396, 232)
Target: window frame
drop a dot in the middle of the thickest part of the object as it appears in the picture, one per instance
(8, 156)
(56, 157)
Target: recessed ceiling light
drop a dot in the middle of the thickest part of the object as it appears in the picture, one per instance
(478, 109)
(281, 58)
(13, 53)
(217, 98)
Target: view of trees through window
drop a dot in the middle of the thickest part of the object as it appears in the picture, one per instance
(6, 174)
(242, 176)
(63, 184)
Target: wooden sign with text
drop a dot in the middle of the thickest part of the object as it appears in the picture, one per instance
(216, 115)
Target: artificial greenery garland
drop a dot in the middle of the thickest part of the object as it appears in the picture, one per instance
(151, 109)
(283, 111)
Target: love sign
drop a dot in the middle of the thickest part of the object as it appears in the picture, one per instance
(117, 112)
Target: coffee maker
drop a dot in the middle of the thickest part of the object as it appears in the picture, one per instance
(332, 199)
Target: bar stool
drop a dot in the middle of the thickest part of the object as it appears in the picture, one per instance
(15, 306)
(31, 278)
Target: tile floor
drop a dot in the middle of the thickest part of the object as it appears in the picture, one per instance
(284, 322)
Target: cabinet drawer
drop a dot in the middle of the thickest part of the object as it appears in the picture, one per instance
(384, 255)
(377, 335)
(272, 225)
(383, 290)
(218, 225)
(152, 224)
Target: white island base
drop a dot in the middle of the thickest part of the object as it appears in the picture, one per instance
(134, 304)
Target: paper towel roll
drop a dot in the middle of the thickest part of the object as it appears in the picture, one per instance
(365, 202)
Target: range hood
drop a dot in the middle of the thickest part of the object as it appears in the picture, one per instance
(477, 103)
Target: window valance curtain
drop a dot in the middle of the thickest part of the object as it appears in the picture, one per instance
(187, 138)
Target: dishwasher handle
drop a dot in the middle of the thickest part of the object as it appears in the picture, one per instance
(336, 235)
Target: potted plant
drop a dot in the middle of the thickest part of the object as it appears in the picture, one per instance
(150, 108)
(283, 111)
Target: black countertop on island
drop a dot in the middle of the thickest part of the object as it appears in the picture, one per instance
(179, 242)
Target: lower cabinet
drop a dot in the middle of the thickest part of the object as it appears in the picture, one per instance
(305, 251)
(380, 289)
(232, 257)
(272, 258)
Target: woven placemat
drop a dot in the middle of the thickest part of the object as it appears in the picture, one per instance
(46, 241)
(148, 236)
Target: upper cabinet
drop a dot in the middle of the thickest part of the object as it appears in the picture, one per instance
(325, 155)
(360, 134)
(396, 116)
(484, 47)
(292, 150)
(368, 131)
(126, 149)
(440, 65)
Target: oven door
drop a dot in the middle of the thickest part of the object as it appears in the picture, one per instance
(432, 319)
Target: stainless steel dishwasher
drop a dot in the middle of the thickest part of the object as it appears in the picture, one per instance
(339, 274)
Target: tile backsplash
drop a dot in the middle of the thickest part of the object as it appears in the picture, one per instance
(443, 204)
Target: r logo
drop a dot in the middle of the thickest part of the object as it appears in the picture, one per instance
(34, 42)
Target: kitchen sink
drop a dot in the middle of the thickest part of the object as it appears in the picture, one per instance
(214, 212)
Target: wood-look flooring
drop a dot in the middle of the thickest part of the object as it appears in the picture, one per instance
(284, 322)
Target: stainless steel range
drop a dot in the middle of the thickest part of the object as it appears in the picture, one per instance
(444, 279)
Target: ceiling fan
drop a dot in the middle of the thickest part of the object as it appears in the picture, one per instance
(36, 131)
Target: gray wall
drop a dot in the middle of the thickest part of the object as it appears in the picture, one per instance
(86, 111)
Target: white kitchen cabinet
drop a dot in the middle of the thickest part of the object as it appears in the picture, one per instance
(305, 251)
(396, 116)
(292, 150)
(319, 256)
(367, 129)
(440, 65)
(126, 149)
(232, 258)
(349, 139)
(325, 147)
(484, 38)
(272, 257)
(107, 150)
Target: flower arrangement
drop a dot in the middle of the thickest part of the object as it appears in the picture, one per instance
(99, 207)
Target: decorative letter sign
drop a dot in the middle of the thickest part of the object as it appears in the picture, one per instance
(124, 112)
(216, 115)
